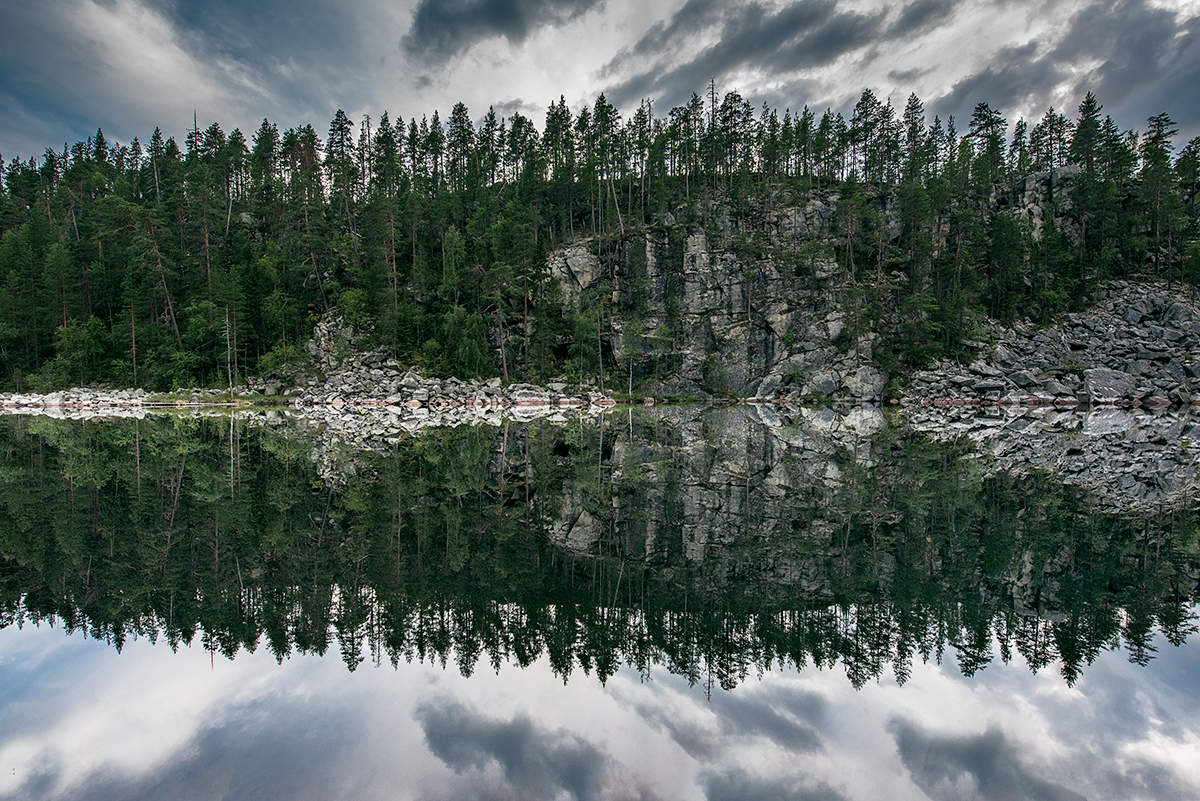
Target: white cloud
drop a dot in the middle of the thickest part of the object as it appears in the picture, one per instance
(101, 719)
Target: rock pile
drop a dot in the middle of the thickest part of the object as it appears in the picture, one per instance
(339, 438)
(77, 402)
(348, 378)
(1131, 460)
(365, 384)
(1139, 346)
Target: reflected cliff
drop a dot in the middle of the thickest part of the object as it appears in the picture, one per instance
(710, 543)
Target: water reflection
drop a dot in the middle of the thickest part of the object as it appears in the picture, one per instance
(80, 721)
(699, 542)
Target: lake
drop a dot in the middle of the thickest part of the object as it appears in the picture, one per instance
(678, 602)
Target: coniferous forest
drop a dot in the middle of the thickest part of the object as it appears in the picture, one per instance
(162, 264)
(445, 550)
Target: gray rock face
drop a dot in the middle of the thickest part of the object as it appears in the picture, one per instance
(576, 268)
(1137, 346)
(717, 316)
(866, 382)
(1104, 385)
(1034, 192)
(1132, 461)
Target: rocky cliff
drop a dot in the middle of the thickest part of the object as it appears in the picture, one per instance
(751, 302)
(714, 306)
(1139, 345)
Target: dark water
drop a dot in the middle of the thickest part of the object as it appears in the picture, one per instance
(670, 604)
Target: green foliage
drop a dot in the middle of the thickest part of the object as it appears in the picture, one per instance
(352, 303)
(437, 232)
(450, 545)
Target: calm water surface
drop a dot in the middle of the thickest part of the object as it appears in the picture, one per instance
(680, 603)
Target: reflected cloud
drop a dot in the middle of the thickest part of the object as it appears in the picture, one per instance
(786, 716)
(149, 723)
(985, 766)
(537, 762)
(738, 785)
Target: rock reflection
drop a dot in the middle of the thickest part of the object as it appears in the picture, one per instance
(714, 543)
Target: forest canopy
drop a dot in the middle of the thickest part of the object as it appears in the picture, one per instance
(162, 265)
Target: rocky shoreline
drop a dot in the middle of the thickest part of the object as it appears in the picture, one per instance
(407, 394)
(339, 379)
(1138, 346)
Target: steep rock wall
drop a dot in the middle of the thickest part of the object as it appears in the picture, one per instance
(725, 307)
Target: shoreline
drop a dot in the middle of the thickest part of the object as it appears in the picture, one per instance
(528, 398)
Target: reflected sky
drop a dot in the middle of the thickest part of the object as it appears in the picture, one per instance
(79, 720)
(855, 553)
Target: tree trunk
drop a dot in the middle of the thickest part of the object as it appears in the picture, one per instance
(228, 354)
(162, 282)
(500, 321)
(133, 340)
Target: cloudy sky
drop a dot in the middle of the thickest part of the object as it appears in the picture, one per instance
(79, 721)
(70, 66)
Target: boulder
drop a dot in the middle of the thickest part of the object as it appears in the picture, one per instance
(768, 387)
(1105, 385)
(865, 383)
(575, 267)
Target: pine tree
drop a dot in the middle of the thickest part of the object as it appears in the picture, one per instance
(1158, 193)
(1085, 142)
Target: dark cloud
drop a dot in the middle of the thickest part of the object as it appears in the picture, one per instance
(1149, 61)
(694, 17)
(277, 748)
(920, 16)
(821, 44)
(804, 34)
(906, 76)
(737, 785)
(506, 108)
(537, 762)
(986, 766)
(788, 717)
(698, 741)
(443, 28)
(1019, 76)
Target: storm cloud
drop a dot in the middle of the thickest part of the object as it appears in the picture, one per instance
(70, 67)
(738, 785)
(1138, 58)
(536, 762)
(442, 28)
(806, 33)
(987, 766)
(920, 16)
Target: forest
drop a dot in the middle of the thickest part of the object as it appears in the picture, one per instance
(163, 265)
(219, 533)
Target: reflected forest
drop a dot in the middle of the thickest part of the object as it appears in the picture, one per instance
(625, 540)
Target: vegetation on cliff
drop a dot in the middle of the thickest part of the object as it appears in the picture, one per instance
(160, 266)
